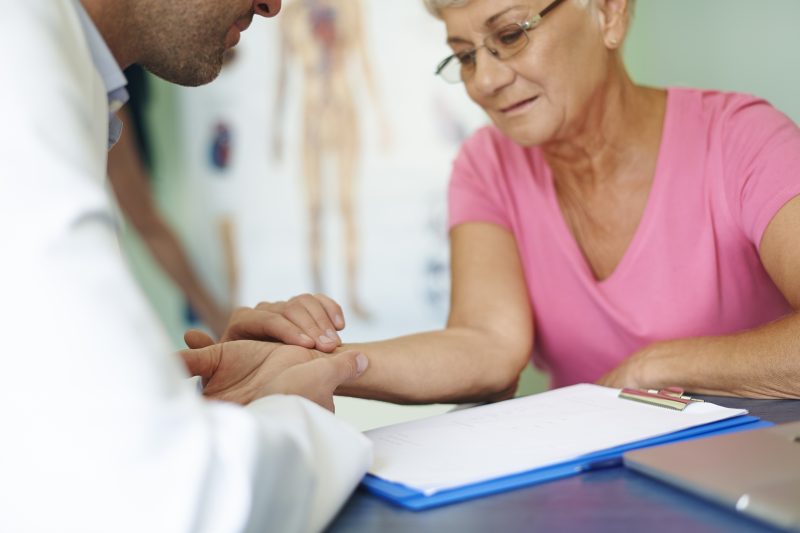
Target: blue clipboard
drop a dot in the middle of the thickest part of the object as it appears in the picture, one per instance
(414, 500)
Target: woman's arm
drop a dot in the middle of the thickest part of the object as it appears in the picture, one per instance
(760, 363)
(486, 343)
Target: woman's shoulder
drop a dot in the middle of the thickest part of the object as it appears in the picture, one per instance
(488, 136)
(726, 108)
(735, 123)
(712, 98)
(489, 156)
(751, 152)
(488, 145)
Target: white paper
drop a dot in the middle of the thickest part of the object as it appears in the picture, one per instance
(490, 441)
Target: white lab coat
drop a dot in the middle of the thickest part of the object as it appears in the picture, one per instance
(99, 428)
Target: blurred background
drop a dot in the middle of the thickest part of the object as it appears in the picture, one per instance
(319, 160)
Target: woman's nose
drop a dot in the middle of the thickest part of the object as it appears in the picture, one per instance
(266, 8)
(491, 74)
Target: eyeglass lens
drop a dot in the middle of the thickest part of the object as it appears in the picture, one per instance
(503, 44)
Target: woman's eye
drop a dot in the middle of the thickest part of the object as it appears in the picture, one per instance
(466, 59)
(510, 37)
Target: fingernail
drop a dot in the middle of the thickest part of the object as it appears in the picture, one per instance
(325, 340)
(332, 335)
(339, 321)
(305, 338)
(361, 363)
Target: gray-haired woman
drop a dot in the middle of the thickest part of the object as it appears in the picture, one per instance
(622, 234)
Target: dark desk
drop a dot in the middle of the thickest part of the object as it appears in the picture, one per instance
(608, 500)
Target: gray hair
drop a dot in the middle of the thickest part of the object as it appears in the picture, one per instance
(435, 6)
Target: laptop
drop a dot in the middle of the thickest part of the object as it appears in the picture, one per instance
(754, 472)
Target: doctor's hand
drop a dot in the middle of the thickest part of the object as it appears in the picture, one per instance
(310, 321)
(243, 371)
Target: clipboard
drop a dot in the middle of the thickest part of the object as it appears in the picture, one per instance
(416, 500)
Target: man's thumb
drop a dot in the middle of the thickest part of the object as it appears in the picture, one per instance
(194, 338)
(202, 361)
(349, 365)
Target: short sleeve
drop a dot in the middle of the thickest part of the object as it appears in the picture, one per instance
(475, 192)
(761, 153)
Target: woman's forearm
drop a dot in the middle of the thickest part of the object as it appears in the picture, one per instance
(759, 363)
(454, 365)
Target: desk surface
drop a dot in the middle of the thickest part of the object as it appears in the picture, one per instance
(615, 499)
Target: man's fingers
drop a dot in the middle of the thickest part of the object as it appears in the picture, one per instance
(282, 329)
(333, 310)
(194, 338)
(264, 325)
(321, 316)
(202, 361)
(306, 320)
(298, 313)
(318, 310)
(244, 325)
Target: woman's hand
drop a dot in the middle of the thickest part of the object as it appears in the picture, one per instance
(310, 321)
(243, 371)
(633, 371)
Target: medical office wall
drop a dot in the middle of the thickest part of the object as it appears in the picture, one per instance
(750, 46)
(334, 179)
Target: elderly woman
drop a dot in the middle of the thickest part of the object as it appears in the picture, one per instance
(624, 235)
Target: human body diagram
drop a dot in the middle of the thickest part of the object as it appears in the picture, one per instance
(325, 38)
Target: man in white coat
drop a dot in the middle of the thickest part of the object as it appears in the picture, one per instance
(100, 429)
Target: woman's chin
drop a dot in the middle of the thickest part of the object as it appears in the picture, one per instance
(525, 131)
(526, 136)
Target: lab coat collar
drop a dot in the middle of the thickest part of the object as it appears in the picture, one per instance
(112, 76)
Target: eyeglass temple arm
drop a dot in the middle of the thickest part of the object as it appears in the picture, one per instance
(550, 7)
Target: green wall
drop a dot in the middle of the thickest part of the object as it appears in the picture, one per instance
(740, 45)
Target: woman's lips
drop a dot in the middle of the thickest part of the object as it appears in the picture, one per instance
(519, 106)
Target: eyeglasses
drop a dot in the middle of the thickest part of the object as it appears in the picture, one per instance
(504, 43)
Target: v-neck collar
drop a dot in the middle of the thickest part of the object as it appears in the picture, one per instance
(645, 222)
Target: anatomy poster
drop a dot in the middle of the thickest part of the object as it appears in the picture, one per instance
(319, 161)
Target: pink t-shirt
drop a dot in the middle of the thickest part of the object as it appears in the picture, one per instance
(727, 164)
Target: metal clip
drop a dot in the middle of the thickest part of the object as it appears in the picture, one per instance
(669, 397)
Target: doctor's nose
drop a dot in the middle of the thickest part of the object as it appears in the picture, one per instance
(266, 8)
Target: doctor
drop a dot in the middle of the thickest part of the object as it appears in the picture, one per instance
(101, 430)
